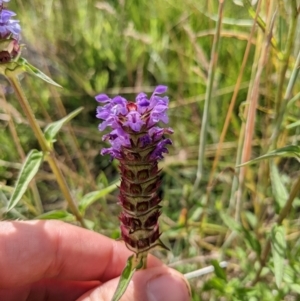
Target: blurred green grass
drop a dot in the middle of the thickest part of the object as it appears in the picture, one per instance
(125, 47)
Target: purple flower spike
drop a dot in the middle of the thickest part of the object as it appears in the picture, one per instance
(138, 143)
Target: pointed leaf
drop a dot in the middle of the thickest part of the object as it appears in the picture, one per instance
(252, 240)
(278, 250)
(287, 151)
(93, 196)
(62, 215)
(125, 279)
(27, 173)
(219, 271)
(293, 125)
(279, 191)
(215, 283)
(36, 72)
(230, 222)
(261, 23)
(53, 128)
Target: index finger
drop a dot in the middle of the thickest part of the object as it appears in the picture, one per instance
(35, 250)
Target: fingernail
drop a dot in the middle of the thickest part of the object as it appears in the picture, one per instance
(168, 287)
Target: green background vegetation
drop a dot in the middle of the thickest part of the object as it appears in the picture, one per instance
(128, 46)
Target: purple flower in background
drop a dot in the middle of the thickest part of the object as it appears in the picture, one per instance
(9, 35)
(138, 143)
(9, 27)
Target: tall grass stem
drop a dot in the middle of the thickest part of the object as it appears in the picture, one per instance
(208, 95)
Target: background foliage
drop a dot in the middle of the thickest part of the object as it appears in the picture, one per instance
(125, 47)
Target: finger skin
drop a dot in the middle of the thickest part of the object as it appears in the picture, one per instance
(169, 286)
(35, 250)
(55, 290)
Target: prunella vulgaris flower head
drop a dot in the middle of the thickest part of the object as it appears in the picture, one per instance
(138, 142)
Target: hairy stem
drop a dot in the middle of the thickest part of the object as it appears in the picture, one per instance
(48, 152)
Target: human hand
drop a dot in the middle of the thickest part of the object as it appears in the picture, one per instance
(51, 260)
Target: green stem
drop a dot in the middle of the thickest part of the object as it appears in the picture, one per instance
(48, 152)
(208, 94)
(286, 101)
(261, 23)
(14, 134)
(279, 101)
(142, 257)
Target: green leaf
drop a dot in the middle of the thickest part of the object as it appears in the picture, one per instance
(252, 241)
(287, 151)
(93, 196)
(278, 250)
(295, 288)
(27, 173)
(89, 224)
(261, 23)
(230, 222)
(62, 215)
(215, 283)
(220, 272)
(53, 128)
(292, 125)
(125, 278)
(102, 179)
(36, 72)
(251, 218)
(279, 191)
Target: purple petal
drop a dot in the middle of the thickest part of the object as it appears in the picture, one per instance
(110, 151)
(120, 106)
(103, 112)
(112, 121)
(6, 15)
(157, 154)
(7, 26)
(156, 117)
(102, 98)
(119, 100)
(14, 27)
(160, 89)
(145, 140)
(140, 96)
(117, 138)
(142, 103)
(134, 121)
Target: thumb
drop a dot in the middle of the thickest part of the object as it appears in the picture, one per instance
(153, 284)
